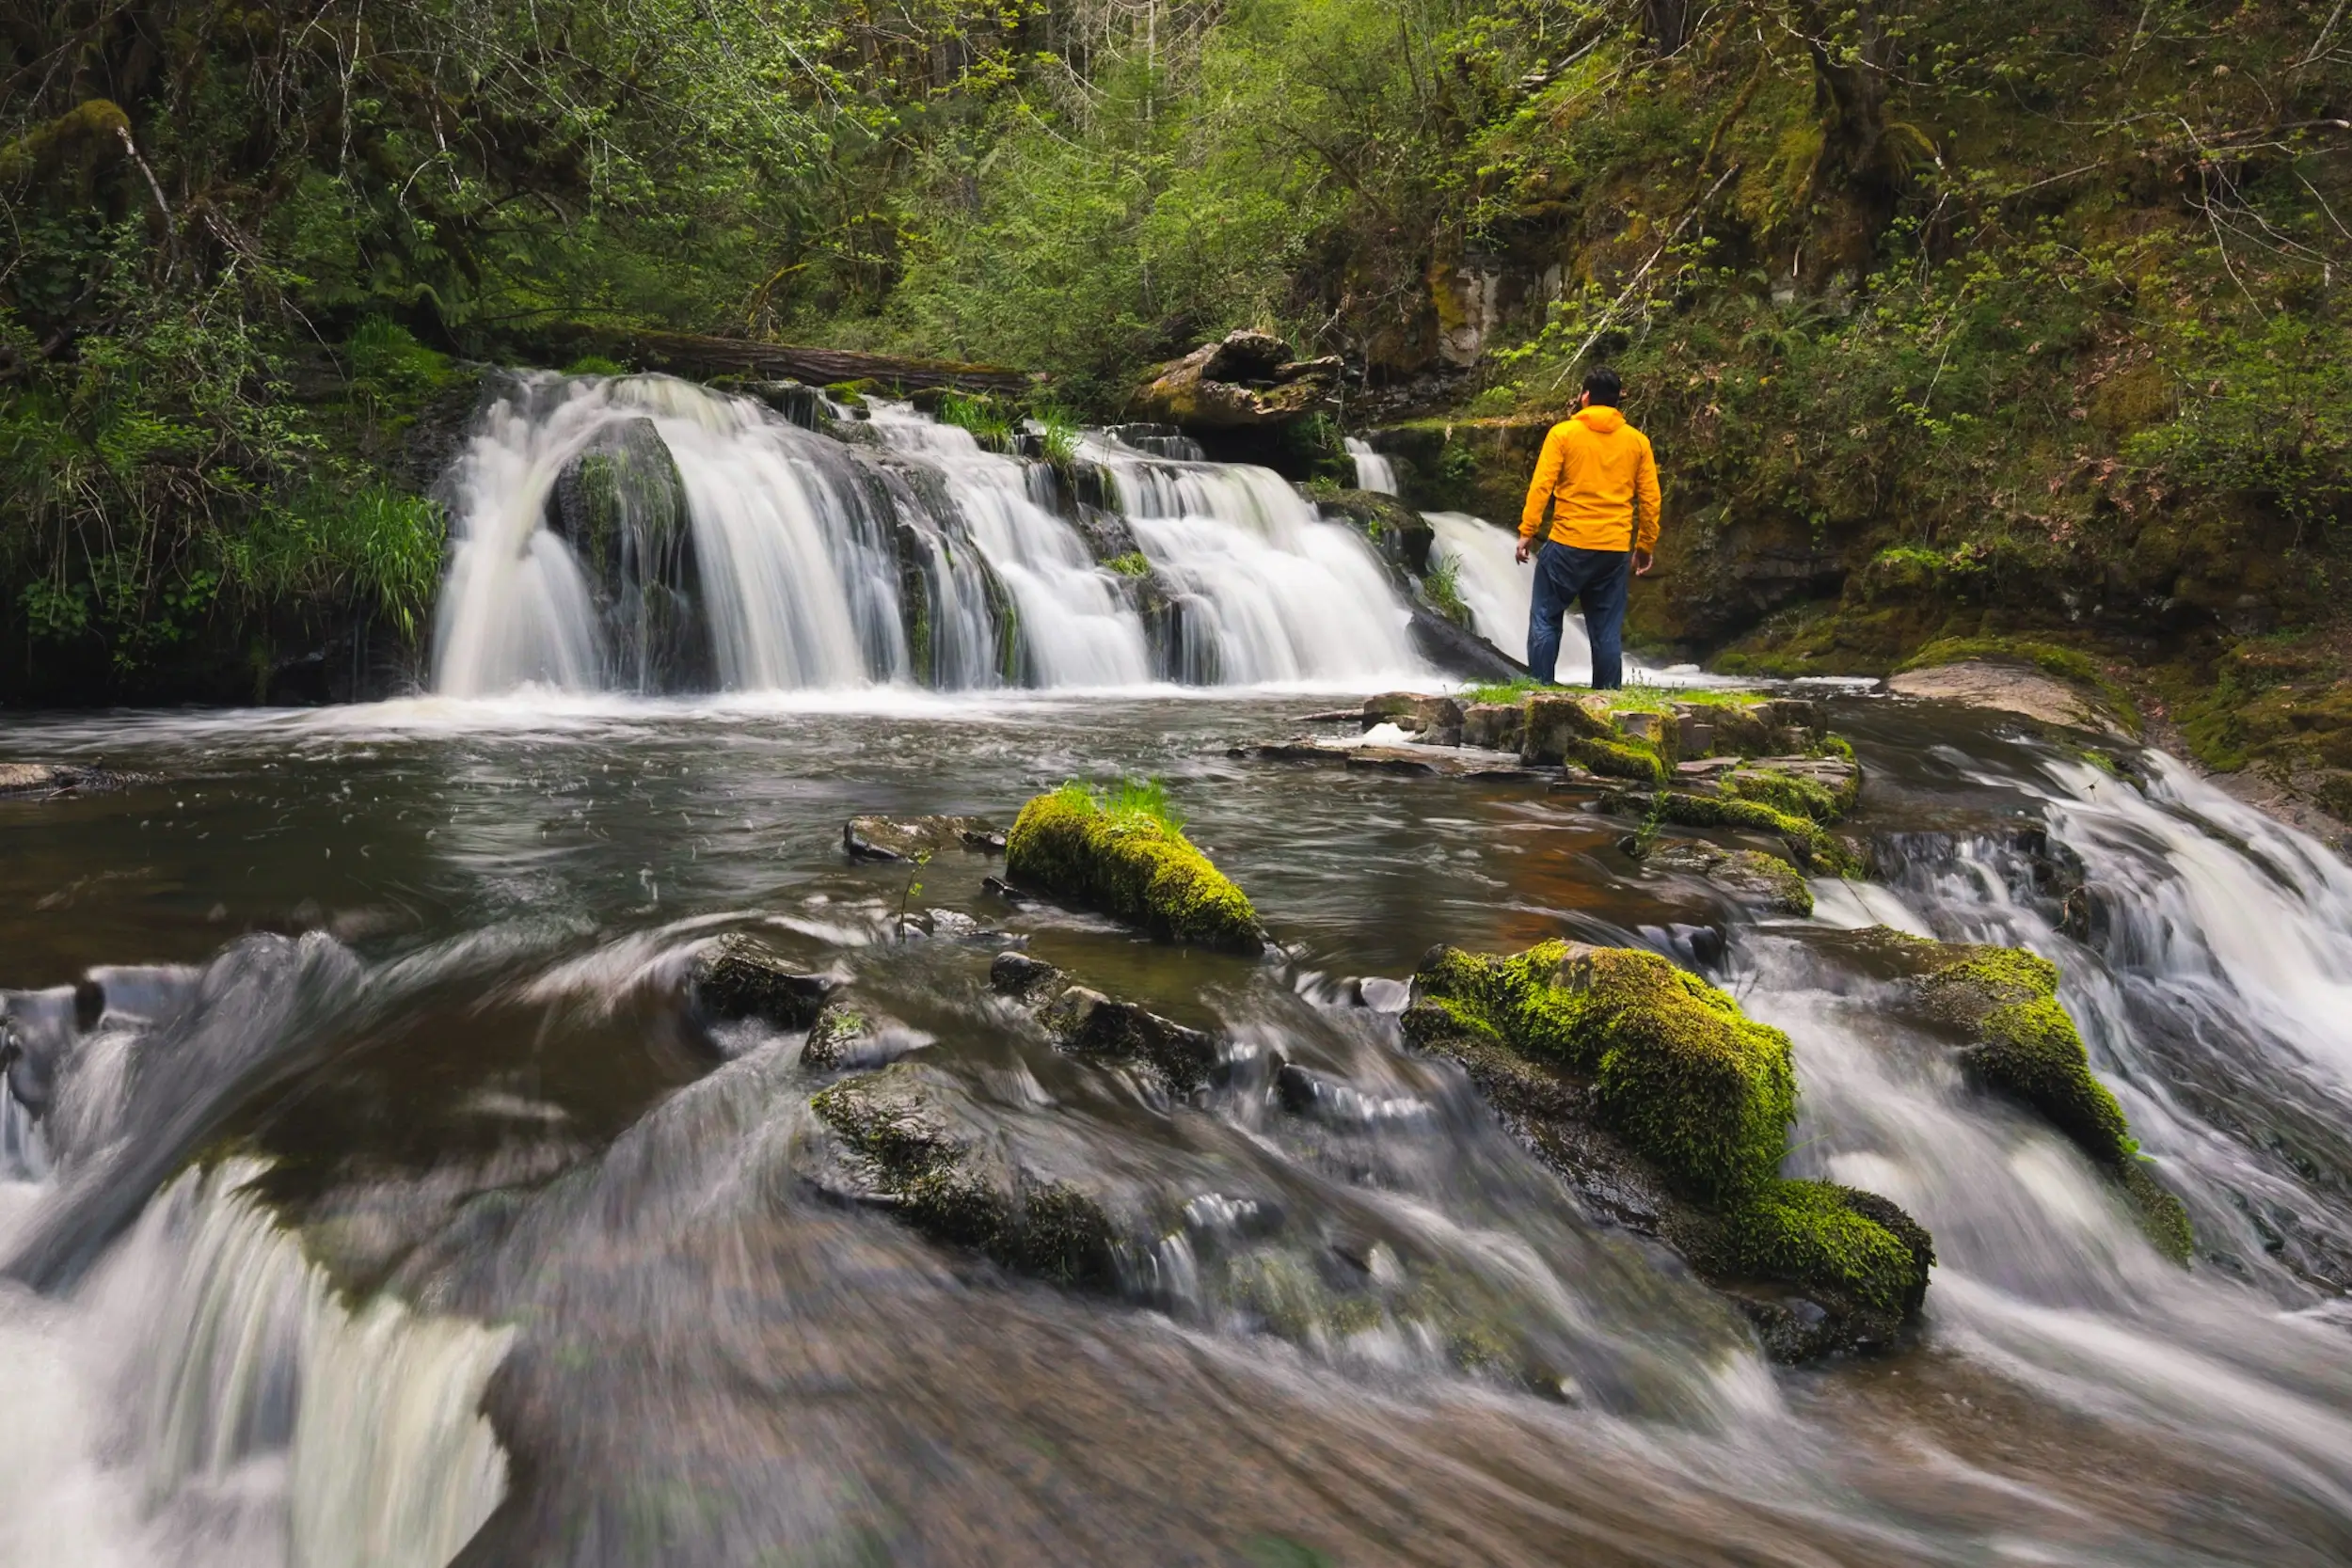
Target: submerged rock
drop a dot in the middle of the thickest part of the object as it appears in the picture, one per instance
(1087, 1024)
(1132, 865)
(2023, 1046)
(1668, 1110)
(1749, 875)
(903, 838)
(909, 1145)
(45, 781)
(735, 977)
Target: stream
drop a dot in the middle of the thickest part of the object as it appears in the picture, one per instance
(371, 1194)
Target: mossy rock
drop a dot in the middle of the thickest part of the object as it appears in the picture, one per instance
(1131, 866)
(1688, 1081)
(1750, 874)
(1790, 793)
(1669, 1110)
(1635, 761)
(2023, 1046)
(909, 1149)
(1813, 847)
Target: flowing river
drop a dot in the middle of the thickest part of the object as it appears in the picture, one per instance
(369, 1196)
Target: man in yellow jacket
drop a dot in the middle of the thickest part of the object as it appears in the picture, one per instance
(1600, 480)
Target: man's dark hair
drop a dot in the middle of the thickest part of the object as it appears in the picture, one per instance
(1604, 387)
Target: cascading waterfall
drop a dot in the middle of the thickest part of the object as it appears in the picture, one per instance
(1271, 592)
(2208, 977)
(1496, 587)
(1374, 472)
(820, 563)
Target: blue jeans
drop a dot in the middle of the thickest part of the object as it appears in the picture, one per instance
(1565, 575)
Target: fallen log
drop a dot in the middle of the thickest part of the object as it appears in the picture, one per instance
(700, 358)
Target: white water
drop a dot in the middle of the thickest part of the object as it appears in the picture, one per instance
(204, 1399)
(1372, 471)
(798, 540)
(1272, 592)
(2223, 964)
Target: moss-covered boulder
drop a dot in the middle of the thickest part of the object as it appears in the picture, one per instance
(1130, 863)
(1751, 876)
(906, 1145)
(1810, 845)
(1669, 1109)
(2021, 1045)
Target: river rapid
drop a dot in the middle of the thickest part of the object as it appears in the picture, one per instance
(369, 1196)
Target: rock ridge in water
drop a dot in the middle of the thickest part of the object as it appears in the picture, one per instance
(621, 506)
(2021, 1045)
(1667, 1109)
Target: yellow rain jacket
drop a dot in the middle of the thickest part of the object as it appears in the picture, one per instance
(1598, 476)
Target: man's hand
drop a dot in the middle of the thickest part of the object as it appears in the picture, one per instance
(1642, 561)
(1520, 555)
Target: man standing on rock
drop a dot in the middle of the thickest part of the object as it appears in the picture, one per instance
(1599, 479)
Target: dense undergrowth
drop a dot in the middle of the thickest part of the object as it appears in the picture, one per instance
(1977, 321)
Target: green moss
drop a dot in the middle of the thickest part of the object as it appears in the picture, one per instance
(1784, 792)
(1815, 849)
(1132, 863)
(1633, 760)
(2028, 1049)
(595, 364)
(1784, 886)
(1133, 564)
(1822, 1234)
(1681, 1074)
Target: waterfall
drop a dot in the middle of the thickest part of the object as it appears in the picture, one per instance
(1372, 471)
(912, 553)
(1273, 592)
(1496, 587)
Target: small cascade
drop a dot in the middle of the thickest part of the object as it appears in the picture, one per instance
(1269, 591)
(1372, 471)
(1070, 625)
(912, 553)
(1496, 587)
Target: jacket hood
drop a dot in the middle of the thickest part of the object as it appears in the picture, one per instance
(1600, 421)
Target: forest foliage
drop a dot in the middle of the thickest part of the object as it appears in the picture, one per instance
(1985, 283)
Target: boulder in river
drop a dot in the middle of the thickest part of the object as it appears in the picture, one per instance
(907, 1145)
(1668, 1110)
(903, 838)
(45, 781)
(1749, 875)
(2021, 1045)
(1131, 864)
(1085, 1023)
(1247, 382)
(621, 506)
(735, 977)
(2007, 688)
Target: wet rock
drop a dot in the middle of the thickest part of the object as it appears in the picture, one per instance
(43, 780)
(946, 925)
(1085, 1023)
(1247, 382)
(2009, 688)
(621, 505)
(1018, 975)
(1430, 761)
(1751, 876)
(909, 1143)
(1494, 727)
(1131, 866)
(1429, 718)
(1824, 788)
(1668, 1112)
(849, 1035)
(1554, 725)
(903, 838)
(2021, 1044)
(735, 977)
(1401, 535)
